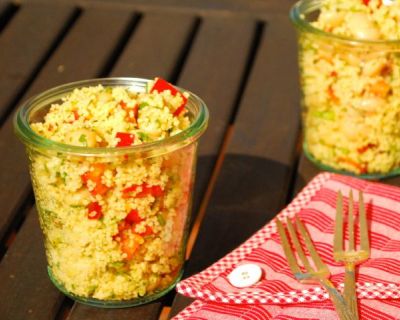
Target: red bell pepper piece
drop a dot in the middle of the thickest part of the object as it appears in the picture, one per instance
(135, 110)
(125, 139)
(148, 232)
(76, 115)
(155, 191)
(366, 147)
(133, 217)
(94, 175)
(161, 85)
(123, 105)
(362, 168)
(180, 109)
(94, 211)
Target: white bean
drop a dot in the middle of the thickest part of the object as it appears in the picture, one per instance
(370, 104)
(362, 27)
(82, 137)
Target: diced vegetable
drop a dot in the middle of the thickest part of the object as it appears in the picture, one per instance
(94, 174)
(95, 211)
(141, 191)
(133, 217)
(125, 139)
(76, 115)
(161, 85)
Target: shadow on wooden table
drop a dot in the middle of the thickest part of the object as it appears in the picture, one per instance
(249, 192)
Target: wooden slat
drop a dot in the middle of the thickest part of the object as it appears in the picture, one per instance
(254, 7)
(214, 69)
(145, 312)
(24, 42)
(80, 59)
(155, 47)
(88, 48)
(26, 292)
(104, 29)
(255, 176)
(7, 9)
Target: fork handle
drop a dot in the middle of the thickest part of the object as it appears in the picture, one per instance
(342, 308)
(349, 292)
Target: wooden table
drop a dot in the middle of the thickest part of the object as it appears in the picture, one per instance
(239, 56)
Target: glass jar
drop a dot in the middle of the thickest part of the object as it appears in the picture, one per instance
(102, 262)
(350, 98)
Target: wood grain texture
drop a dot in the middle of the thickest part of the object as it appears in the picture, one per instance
(104, 29)
(256, 173)
(145, 312)
(155, 47)
(26, 291)
(214, 70)
(25, 42)
(253, 7)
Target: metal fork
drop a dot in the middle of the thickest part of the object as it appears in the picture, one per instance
(350, 257)
(317, 274)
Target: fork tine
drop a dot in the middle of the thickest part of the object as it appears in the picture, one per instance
(287, 249)
(350, 222)
(364, 241)
(338, 237)
(297, 245)
(309, 244)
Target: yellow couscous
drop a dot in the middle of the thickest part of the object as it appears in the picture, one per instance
(114, 226)
(350, 77)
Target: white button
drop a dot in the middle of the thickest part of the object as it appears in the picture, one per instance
(245, 275)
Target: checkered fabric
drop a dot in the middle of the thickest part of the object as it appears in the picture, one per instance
(368, 310)
(378, 278)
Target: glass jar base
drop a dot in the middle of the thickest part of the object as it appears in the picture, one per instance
(368, 176)
(114, 303)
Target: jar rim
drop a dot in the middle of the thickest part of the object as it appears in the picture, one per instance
(302, 7)
(29, 137)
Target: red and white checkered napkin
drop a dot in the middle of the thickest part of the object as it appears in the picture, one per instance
(278, 293)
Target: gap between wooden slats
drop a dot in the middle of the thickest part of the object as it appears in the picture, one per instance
(25, 48)
(7, 11)
(151, 53)
(81, 59)
(31, 52)
(214, 71)
(25, 288)
(256, 173)
(232, 42)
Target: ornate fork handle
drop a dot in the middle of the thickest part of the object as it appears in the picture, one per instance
(349, 293)
(343, 309)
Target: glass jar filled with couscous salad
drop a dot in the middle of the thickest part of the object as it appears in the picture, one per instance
(112, 164)
(349, 58)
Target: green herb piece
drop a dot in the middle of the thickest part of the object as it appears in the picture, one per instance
(92, 289)
(326, 115)
(82, 139)
(143, 137)
(161, 220)
(143, 105)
